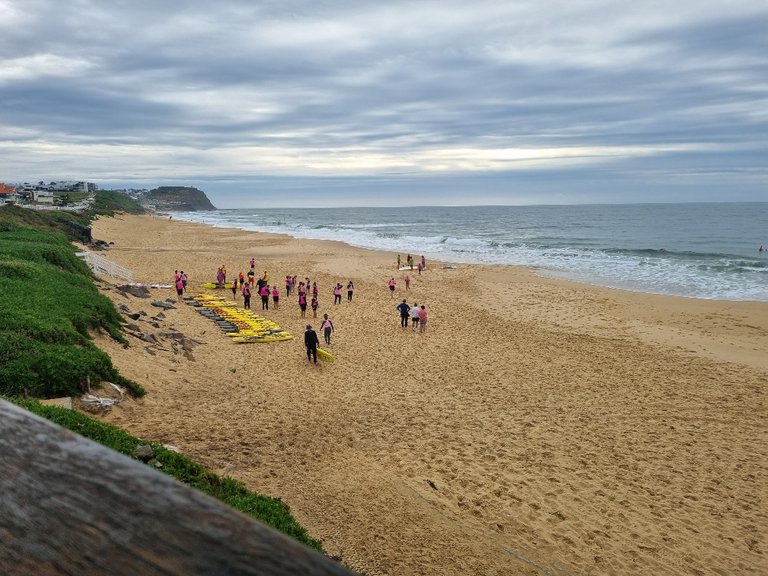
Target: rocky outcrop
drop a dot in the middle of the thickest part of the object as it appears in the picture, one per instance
(181, 198)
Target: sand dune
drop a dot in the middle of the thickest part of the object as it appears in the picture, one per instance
(538, 427)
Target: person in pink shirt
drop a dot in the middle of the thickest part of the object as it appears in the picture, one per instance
(407, 282)
(275, 297)
(337, 294)
(264, 297)
(423, 319)
(303, 303)
(392, 285)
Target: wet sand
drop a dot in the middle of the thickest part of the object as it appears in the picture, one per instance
(537, 427)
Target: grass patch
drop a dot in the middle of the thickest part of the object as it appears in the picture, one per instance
(48, 306)
(270, 511)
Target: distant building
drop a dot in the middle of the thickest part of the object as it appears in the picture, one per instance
(8, 194)
(42, 196)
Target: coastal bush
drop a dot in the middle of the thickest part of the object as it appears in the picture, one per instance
(271, 511)
(107, 202)
(48, 307)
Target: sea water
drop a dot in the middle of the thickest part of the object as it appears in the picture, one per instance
(699, 250)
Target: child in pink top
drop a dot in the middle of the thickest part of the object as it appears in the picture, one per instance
(276, 297)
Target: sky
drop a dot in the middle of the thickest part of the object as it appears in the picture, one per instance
(444, 102)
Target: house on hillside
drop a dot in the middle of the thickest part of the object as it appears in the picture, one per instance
(42, 196)
(8, 194)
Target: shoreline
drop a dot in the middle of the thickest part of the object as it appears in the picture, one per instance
(721, 270)
(537, 419)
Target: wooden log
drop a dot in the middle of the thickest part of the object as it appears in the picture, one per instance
(71, 506)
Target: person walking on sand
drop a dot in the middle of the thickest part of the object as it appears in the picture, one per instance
(184, 279)
(415, 316)
(404, 310)
(350, 290)
(275, 297)
(407, 282)
(310, 342)
(423, 262)
(303, 303)
(392, 285)
(399, 262)
(246, 295)
(251, 277)
(422, 319)
(327, 327)
(234, 290)
(314, 306)
(253, 263)
(179, 289)
(337, 294)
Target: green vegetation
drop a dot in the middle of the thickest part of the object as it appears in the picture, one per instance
(107, 202)
(48, 305)
(271, 511)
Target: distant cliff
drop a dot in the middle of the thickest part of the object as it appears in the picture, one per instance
(181, 198)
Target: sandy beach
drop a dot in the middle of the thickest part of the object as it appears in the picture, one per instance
(537, 427)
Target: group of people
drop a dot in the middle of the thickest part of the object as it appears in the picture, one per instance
(416, 314)
(411, 263)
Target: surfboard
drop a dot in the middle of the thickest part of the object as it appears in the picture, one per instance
(325, 356)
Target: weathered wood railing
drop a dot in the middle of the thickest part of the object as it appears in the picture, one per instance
(71, 506)
(101, 266)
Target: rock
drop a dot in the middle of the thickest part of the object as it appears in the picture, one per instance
(134, 327)
(144, 452)
(138, 291)
(124, 308)
(165, 305)
(134, 316)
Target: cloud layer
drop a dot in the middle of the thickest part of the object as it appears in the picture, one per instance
(337, 101)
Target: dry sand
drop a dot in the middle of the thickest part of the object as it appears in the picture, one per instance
(538, 427)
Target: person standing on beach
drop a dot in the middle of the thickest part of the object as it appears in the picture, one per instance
(337, 294)
(415, 316)
(350, 290)
(253, 263)
(264, 297)
(251, 277)
(392, 285)
(423, 262)
(246, 295)
(407, 282)
(399, 262)
(303, 303)
(314, 306)
(275, 297)
(422, 319)
(311, 342)
(327, 327)
(404, 310)
(184, 279)
(234, 289)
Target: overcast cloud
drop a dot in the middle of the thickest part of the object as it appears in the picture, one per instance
(390, 103)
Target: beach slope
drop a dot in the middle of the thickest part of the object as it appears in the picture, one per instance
(537, 427)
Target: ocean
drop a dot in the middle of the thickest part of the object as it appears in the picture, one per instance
(699, 250)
